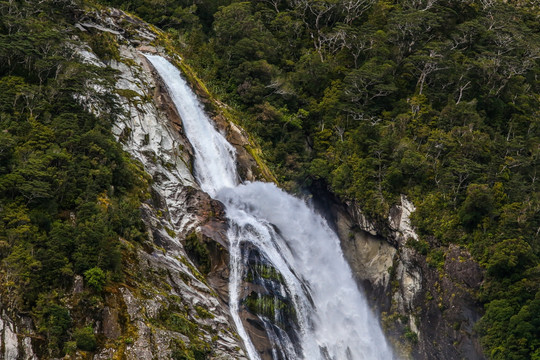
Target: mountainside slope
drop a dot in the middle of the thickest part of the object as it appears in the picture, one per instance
(93, 265)
(103, 255)
(372, 100)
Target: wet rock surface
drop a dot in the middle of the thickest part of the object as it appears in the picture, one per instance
(427, 312)
(16, 337)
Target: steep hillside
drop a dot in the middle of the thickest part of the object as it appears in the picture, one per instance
(93, 263)
(414, 125)
(373, 100)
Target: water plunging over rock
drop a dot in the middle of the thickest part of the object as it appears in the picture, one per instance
(312, 283)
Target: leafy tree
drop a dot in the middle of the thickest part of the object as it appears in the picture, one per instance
(95, 278)
(85, 338)
(477, 205)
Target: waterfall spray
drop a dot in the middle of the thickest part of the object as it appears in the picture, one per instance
(313, 282)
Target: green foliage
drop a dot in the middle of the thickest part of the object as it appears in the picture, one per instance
(509, 256)
(421, 246)
(169, 13)
(68, 192)
(85, 338)
(436, 258)
(195, 351)
(70, 347)
(274, 308)
(519, 324)
(264, 271)
(178, 322)
(95, 278)
(53, 321)
(477, 205)
(203, 313)
(105, 46)
(198, 252)
(175, 318)
(411, 335)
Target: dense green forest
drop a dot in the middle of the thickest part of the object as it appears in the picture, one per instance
(435, 99)
(68, 192)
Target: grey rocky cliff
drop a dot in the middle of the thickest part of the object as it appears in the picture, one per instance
(16, 338)
(427, 312)
(166, 305)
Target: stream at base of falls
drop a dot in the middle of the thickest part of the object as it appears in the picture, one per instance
(286, 263)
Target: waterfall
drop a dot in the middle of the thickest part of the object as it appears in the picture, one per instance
(308, 301)
(214, 157)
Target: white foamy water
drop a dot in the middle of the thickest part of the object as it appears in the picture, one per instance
(333, 318)
(214, 157)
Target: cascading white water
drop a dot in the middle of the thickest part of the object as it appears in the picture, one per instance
(214, 157)
(332, 316)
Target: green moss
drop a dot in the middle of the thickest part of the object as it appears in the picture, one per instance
(421, 246)
(70, 347)
(85, 338)
(264, 271)
(176, 318)
(105, 46)
(130, 62)
(130, 95)
(256, 154)
(193, 270)
(174, 299)
(196, 350)
(95, 278)
(267, 305)
(435, 258)
(170, 232)
(198, 252)
(203, 313)
(125, 135)
(179, 322)
(410, 335)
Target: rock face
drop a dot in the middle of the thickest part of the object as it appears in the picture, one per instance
(14, 342)
(167, 307)
(427, 311)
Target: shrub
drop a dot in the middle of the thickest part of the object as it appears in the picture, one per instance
(95, 278)
(85, 339)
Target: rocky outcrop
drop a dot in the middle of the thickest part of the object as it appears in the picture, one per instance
(167, 308)
(15, 338)
(180, 216)
(427, 309)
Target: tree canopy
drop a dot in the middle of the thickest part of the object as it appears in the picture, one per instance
(68, 192)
